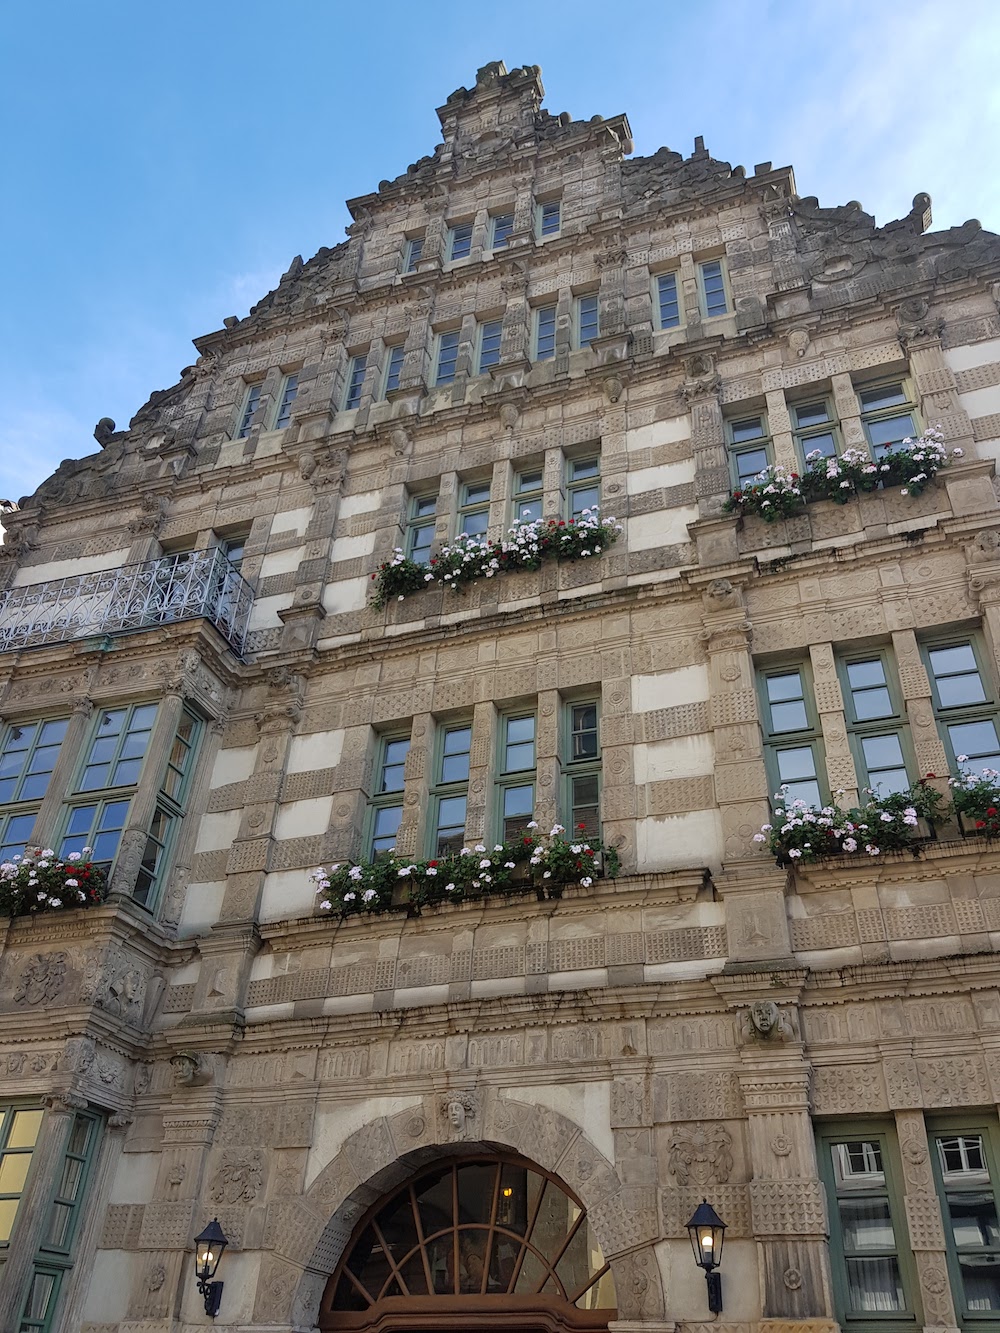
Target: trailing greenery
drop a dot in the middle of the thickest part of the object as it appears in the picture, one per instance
(40, 881)
(776, 493)
(470, 558)
(545, 862)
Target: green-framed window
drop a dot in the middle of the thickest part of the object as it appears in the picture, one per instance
(791, 729)
(490, 332)
(355, 381)
(289, 391)
(386, 806)
(420, 527)
(251, 401)
(583, 485)
(965, 701)
(873, 1270)
(460, 240)
(412, 251)
(814, 425)
(118, 748)
(450, 795)
(516, 778)
(501, 226)
(548, 218)
(395, 356)
(888, 414)
(545, 331)
(581, 767)
(529, 493)
(170, 808)
(965, 1161)
(876, 722)
(56, 1252)
(587, 319)
(19, 1130)
(234, 549)
(712, 290)
(667, 304)
(446, 359)
(749, 442)
(474, 509)
(28, 753)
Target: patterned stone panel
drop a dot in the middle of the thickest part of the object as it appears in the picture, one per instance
(679, 795)
(735, 706)
(787, 1208)
(178, 999)
(661, 724)
(503, 961)
(230, 797)
(958, 1080)
(122, 1226)
(848, 1090)
(676, 946)
(969, 915)
(833, 930)
(986, 428)
(167, 1226)
(731, 1202)
(625, 1220)
(625, 948)
(923, 1222)
(298, 853)
(710, 1095)
(307, 786)
(208, 867)
(978, 377)
(576, 954)
(929, 921)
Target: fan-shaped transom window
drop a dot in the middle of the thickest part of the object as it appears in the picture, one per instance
(496, 1229)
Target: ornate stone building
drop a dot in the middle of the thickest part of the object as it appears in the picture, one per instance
(501, 1113)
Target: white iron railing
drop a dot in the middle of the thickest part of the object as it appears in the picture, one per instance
(113, 601)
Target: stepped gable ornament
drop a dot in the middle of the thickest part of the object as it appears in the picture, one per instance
(764, 1021)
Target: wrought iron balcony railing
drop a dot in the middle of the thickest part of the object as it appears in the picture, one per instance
(113, 601)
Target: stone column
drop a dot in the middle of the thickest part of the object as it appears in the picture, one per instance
(352, 783)
(840, 770)
(481, 769)
(845, 398)
(780, 424)
(143, 805)
(927, 744)
(547, 760)
(924, 1224)
(700, 390)
(416, 801)
(33, 1213)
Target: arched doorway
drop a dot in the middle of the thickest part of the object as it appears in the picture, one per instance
(469, 1244)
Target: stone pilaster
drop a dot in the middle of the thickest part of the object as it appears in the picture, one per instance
(547, 760)
(779, 423)
(700, 389)
(65, 766)
(143, 804)
(930, 751)
(417, 780)
(924, 1223)
(481, 768)
(840, 770)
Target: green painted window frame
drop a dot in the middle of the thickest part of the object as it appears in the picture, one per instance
(171, 807)
(736, 448)
(872, 415)
(446, 356)
(501, 227)
(580, 482)
(894, 723)
(18, 812)
(705, 293)
(803, 435)
(580, 767)
(544, 319)
(883, 1133)
(460, 240)
(489, 333)
(474, 508)
(778, 740)
(248, 409)
(391, 798)
(522, 497)
(508, 779)
(421, 518)
(586, 319)
(548, 218)
(289, 392)
(951, 1126)
(395, 355)
(988, 710)
(356, 371)
(667, 293)
(446, 788)
(8, 1112)
(412, 253)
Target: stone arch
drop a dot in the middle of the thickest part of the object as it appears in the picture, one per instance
(308, 1234)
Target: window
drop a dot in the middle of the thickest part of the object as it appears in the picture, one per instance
(490, 332)
(111, 770)
(450, 794)
(288, 391)
(517, 773)
(966, 1175)
(528, 495)
(355, 382)
(587, 319)
(27, 758)
(873, 1267)
(420, 528)
(411, 254)
(501, 226)
(876, 723)
(549, 218)
(584, 488)
(813, 425)
(668, 307)
(234, 548)
(169, 810)
(250, 404)
(18, 1135)
(393, 368)
(387, 802)
(447, 357)
(792, 733)
(712, 287)
(545, 332)
(460, 241)
(887, 416)
(474, 509)
(55, 1254)
(965, 708)
(749, 448)
(582, 769)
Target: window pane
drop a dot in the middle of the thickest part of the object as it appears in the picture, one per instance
(797, 763)
(461, 240)
(886, 395)
(874, 1285)
(750, 464)
(824, 442)
(973, 1219)
(867, 1224)
(980, 1280)
(811, 414)
(585, 467)
(520, 757)
(789, 717)
(584, 498)
(784, 687)
(520, 728)
(948, 661)
(864, 674)
(752, 428)
(978, 741)
(8, 1211)
(545, 332)
(889, 431)
(24, 1129)
(882, 751)
(387, 820)
(666, 286)
(872, 703)
(14, 1172)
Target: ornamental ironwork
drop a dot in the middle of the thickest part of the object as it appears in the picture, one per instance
(184, 586)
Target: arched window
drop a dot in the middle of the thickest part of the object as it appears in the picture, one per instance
(492, 1241)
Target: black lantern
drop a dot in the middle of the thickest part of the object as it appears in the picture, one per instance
(208, 1251)
(707, 1231)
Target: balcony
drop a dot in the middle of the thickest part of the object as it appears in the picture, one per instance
(186, 586)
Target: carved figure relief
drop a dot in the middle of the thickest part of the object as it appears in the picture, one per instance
(764, 1021)
(42, 979)
(701, 1155)
(458, 1109)
(238, 1179)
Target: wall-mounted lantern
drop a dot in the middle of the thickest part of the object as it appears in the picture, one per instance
(707, 1231)
(209, 1247)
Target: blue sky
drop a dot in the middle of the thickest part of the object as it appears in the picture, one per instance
(167, 158)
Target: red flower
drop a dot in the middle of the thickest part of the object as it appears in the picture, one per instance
(525, 839)
(991, 810)
(980, 823)
(432, 863)
(932, 775)
(581, 825)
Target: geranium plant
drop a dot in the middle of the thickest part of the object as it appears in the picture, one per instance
(471, 873)
(469, 558)
(41, 881)
(773, 494)
(977, 799)
(800, 833)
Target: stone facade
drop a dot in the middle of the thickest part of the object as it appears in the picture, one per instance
(682, 1032)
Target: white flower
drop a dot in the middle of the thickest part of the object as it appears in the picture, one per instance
(449, 888)
(508, 865)
(355, 872)
(759, 837)
(368, 895)
(48, 852)
(962, 758)
(556, 828)
(349, 897)
(55, 902)
(498, 847)
(400, 598)
(586, 881)
(485, 864)
(794, 852)
(531, 824)
(576, 848)
(547, 874)
(431, 870)
(885, 817)
(72, 884)
(872, 850)
(849, 845)
(480, 847)
(325, 905)
(73, 856)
